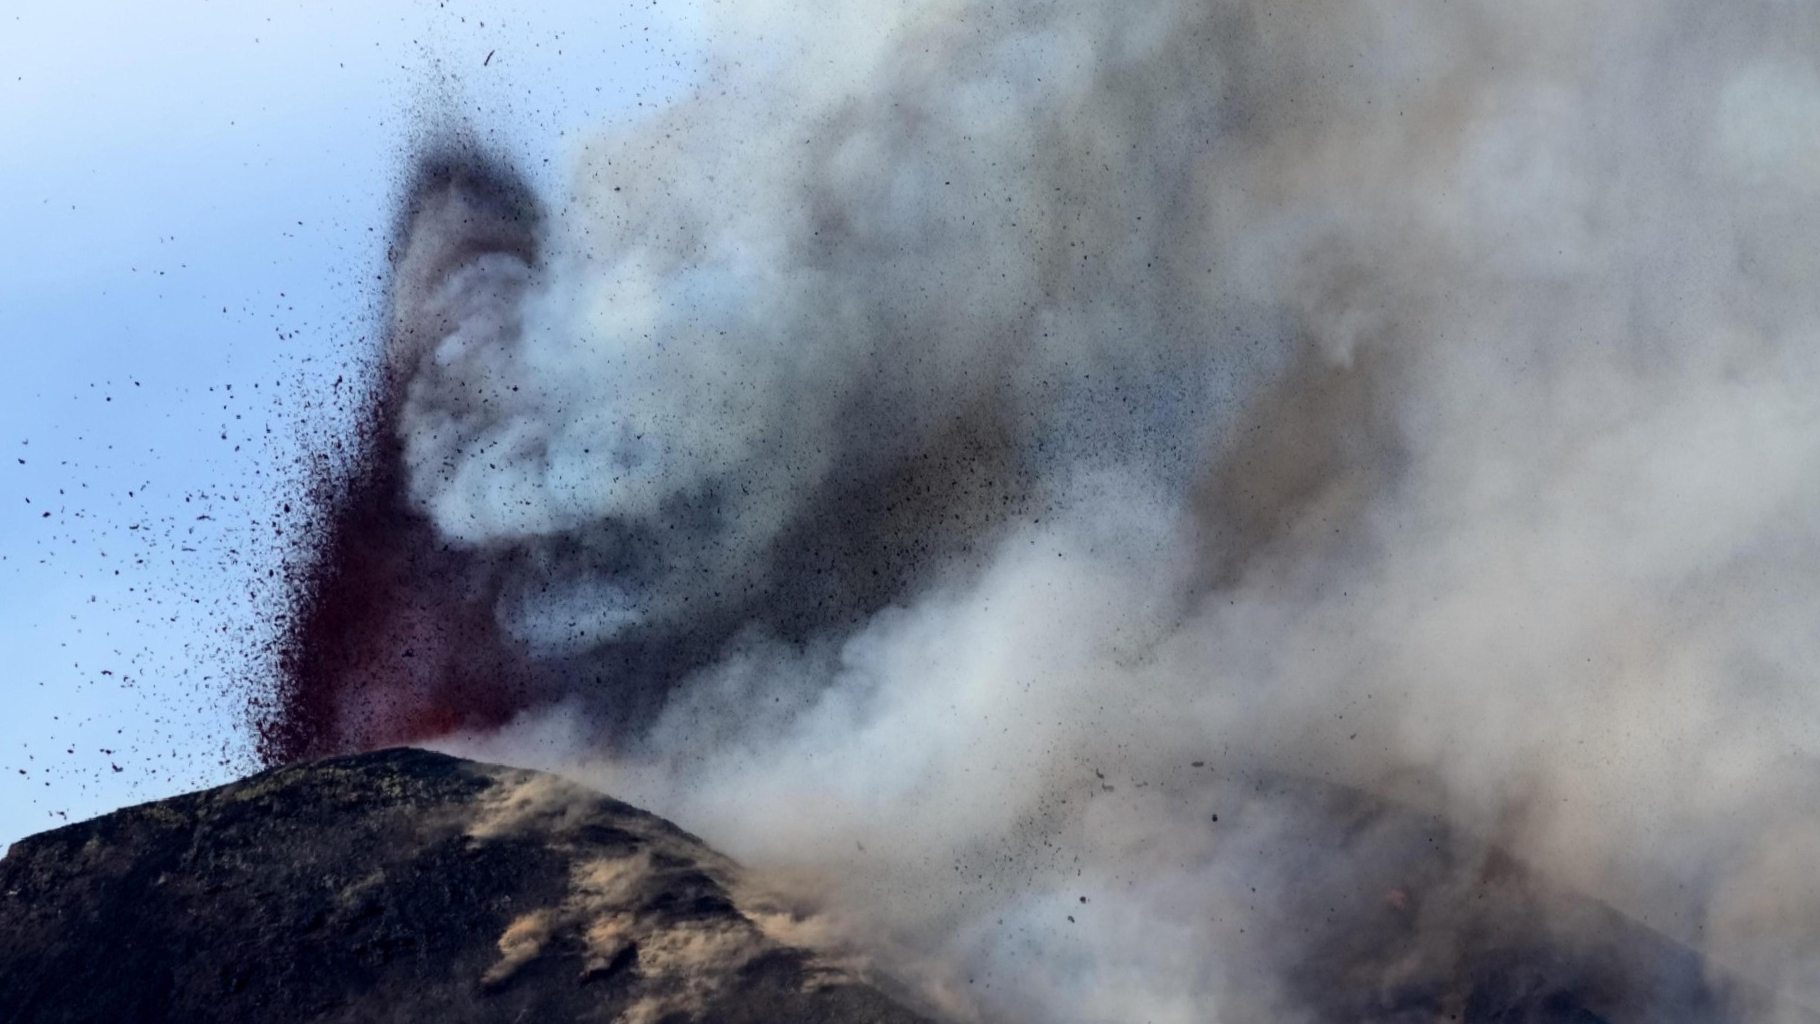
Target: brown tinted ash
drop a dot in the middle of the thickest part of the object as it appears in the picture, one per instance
(401, 633)
(392, 635)
(397, 632)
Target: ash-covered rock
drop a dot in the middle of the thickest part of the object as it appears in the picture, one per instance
(400, 885)
(404, 885)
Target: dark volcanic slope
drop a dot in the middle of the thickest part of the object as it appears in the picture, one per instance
(396, 886)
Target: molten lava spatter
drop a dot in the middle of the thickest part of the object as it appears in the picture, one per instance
(394, 636)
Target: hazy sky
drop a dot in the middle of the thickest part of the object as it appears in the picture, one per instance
(195, 200)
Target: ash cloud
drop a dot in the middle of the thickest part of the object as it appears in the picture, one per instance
(1173, 510)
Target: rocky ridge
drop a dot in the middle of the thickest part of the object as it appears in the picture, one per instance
(400, 885)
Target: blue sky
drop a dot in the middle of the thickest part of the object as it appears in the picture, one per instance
(194, 201)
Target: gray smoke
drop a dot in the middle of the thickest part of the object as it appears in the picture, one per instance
(1414, 398)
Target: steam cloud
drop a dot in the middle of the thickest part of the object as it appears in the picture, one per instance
(1041, 478)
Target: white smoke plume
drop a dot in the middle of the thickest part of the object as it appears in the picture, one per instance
(1416, 399)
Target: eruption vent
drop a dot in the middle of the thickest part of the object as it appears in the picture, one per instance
(1155, 511)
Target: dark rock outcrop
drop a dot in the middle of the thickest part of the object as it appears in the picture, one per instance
(397, 886)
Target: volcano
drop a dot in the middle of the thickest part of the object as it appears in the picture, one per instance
(1213, 511)
(399, 885)
(409, 885)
